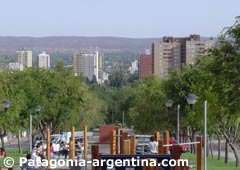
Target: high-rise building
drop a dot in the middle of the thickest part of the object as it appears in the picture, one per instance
(43, 60)
(100, 65)
(166, 56)
(88, 65)
(24, 57)
(197, 49)
(145, 65)
(182, 41)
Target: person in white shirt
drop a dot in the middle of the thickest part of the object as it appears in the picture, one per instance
(153, 146)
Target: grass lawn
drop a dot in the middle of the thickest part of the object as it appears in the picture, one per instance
(212, 163)
(15, 155)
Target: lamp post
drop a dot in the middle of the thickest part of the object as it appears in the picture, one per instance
(191, 99)
(37, 110)
(169, 104)
(6, 104)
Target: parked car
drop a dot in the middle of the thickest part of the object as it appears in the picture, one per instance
(142, 144)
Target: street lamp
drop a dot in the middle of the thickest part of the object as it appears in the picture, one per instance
(37, 110)
(191, 99)
(6, 104)
(169, 104)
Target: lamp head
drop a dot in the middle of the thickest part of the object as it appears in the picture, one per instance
(6, 104)
(169, 103)
(191, 99)
(38, 108)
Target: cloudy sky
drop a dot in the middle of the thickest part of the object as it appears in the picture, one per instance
(122, 18)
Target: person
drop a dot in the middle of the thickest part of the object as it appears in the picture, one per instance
(34, 155)
(26, 166)
(64, 149)
(40, 150)
(80, 145)
(172, 140)
(51, 150)
(3, 153)
(153, 146)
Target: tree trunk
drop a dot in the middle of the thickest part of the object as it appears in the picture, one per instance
(235, 154)
(19, 142)
(211, 148)
(234, 149)
(207, 145)
(2, 141)
(219, 147)
(192, 138)
(226, 152)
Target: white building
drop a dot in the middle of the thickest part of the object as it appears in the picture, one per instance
(88, 65)
(134, 67)
(105, 76)
(15, 66)
(43, 60)
(24, 57)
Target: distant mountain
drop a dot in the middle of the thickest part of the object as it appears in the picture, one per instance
(70, 44)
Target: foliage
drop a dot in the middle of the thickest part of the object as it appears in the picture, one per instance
(65, 99)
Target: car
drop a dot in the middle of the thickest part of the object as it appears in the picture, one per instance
(142, 149)
(142, 144)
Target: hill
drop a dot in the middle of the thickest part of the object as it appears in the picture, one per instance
(67, 44)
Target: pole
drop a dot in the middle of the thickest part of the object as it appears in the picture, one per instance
(199, 153)
(178, 122)
(30, 134)
(123, 119)
(112, 118)
(85, 143)
(48, 154)
(205, 135)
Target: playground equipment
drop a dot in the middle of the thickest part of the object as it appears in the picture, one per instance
(123, 146)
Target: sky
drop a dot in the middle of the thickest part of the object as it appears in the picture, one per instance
(120, 18)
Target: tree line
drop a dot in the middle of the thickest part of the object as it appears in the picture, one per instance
(214, 77)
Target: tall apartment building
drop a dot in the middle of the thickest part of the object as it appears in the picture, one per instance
(100, 65)
(166, 56)
(145, 65)
(88, 65)
(24, 57)
(182, 41)
(43, 60)
(197, 49)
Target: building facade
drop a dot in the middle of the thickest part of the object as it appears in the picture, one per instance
(24, 57)
(145, 65)
(166, 56)
(133, 69)
(43, 60)
(197, 49)
(182, 41)
(88, 65)
(15, 66)
(100, 66)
